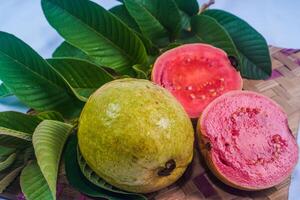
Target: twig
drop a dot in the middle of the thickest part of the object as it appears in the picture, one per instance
(206, 5)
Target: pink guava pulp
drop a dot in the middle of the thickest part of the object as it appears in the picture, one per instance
(251, 144)
(196, 74)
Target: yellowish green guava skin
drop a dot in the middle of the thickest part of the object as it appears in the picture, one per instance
(129, 129)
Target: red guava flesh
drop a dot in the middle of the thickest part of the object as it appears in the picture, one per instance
(196, 74)
(246, 140)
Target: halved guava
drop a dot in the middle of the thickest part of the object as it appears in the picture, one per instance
(196, 74)
(246, 140)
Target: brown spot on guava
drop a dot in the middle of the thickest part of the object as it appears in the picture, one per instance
(167, 170)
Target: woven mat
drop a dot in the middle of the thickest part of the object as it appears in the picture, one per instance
(198, 183)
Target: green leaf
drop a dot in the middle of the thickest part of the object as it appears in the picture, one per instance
(80, 183)
(16, 129)
(96, 32)
(185, 21)
(140, 72)
(6, 151)
(151, 48)
(252, 47)
(167, 14)
(148, 23)
(8, 161)
(32, 79)
(18, 121)
(83, 77)
(171, 46)
(48, 142)
(121, 12)
(154, 17)
(10, 177)
(207, 30)
(67, 50)
(5, 91)
(13, 138)
(33, 184)
(191, 7)
(14, 133)
(93, 177)
(51, 115)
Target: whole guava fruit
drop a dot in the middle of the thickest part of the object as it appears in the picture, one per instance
(246, 140)
(196, 74)
(135, 135)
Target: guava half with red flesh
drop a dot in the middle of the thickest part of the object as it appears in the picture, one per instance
(246, 140)
(196, 74)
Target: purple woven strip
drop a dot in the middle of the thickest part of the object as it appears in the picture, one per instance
(82, 197)
(204, 186)
(21, 197)
(275, 74)
(288, 52)
(297, 61)
(59, 189)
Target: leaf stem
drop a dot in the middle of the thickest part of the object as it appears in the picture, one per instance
(206, 6)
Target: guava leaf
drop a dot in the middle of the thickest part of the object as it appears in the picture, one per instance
(171, 46)
(185, 21)
(52, 115)
(7, 157)
(33, 184)
(32, 79)
(121, 12)
(208, 30)
(80, 183)
(251, 45)
(14, 139)
(97, 32)
(48, 141)
(151, 48)
(83, 77)
(16, 129)
(191, 7)
(166, 12)
(5, 91)
(8, 161)
(6, 151)
(149, 25)
(10, 177)
(140, 72)
(94, 178)
(67, 50)
(156, 18)
(18, 121)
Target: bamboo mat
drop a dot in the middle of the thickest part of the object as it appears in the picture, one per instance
(198, 183)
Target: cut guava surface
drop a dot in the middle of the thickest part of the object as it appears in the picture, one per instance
(246, 140)
(196, 74)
